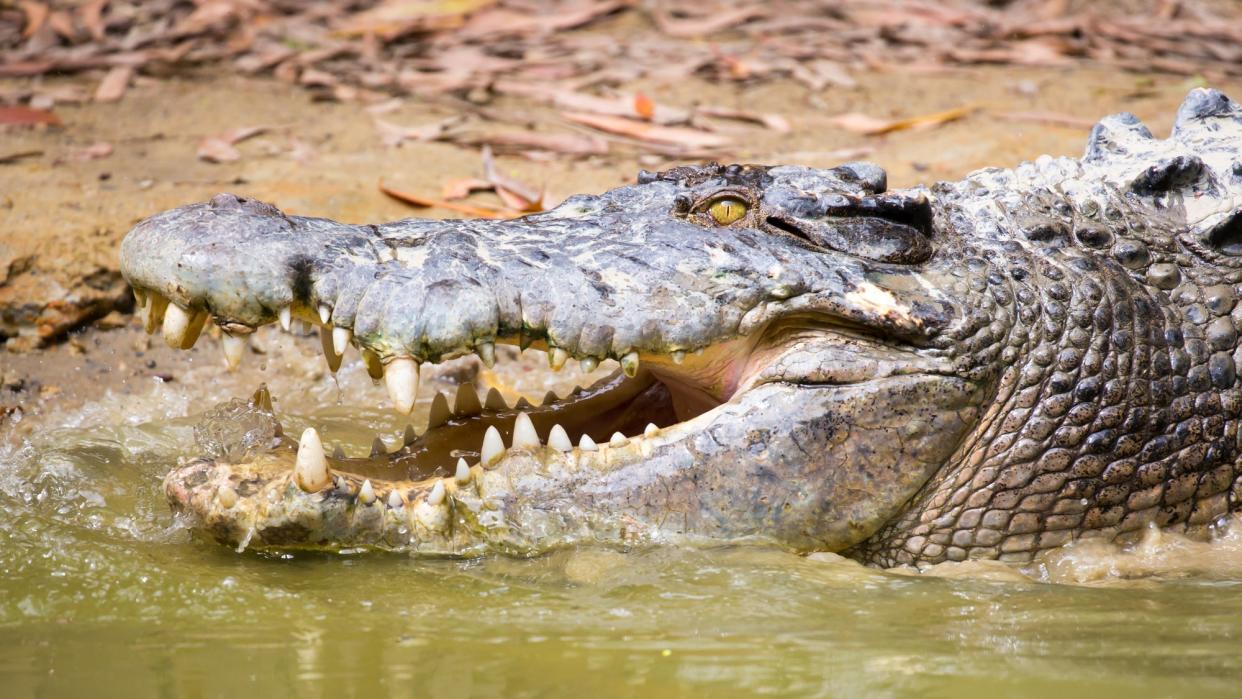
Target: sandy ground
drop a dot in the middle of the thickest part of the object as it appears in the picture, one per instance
(62, 219)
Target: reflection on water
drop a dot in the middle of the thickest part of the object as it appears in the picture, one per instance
(102, 593)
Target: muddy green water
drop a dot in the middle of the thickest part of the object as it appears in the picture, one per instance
(103, 594)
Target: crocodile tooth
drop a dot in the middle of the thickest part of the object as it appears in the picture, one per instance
(524, 434)
(462, 475)
(587, 444)
(375, 367)
(325, 313)
(234, 346)
(436, 496)
(176, 324)
(549, 398)
(156, 306)
(650, 430)
(366, 494)
(558, 439)
(226, 496)
(678, 356)
(286, 318)
(618, 440)
(401, 378)
(378, 448)
(410, 436)
(487, 353)
(629, 364)
(588, 364)
(467, 401)
(329, 353)
(310, 471)
(140, 296)
(522, 404)
(494, 401)
(493, 447)
(338, 452)
(340, 339)
(557, 358)
(394, 500)
(439, 411)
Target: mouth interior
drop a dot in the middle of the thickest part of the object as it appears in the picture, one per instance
(663, 392)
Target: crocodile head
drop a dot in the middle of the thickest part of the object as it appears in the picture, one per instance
(805, 357)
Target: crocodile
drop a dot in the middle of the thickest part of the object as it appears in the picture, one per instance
(988, 368)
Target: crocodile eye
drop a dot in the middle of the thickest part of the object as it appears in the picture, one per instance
(726, 210)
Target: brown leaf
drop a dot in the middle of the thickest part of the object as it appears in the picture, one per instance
(643, 106)
(776, 122)
(36, 15)
(214, 149)
(873, 126)
(91, 15)
(464, 187)
(516, 195)
(25, 116)
(429, 202)
(391, 19)
(114, 84)
(234, 136)
(645, 131)
(718, 20)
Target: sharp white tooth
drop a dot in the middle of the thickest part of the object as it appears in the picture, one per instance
(462, 475)
(618, 440)
(650, 429)
(439, 411)
(678, 357)
(176, 324)
(587, 444)
(558, 439)
(394, 500)
(629, 364)
(286, 318)
(378, 448)
(487, 353)
(588, 365)
(401, 378)
(410, 435)
(226, 496)
(467, 401)
(234, 346)
(557, 358)
(375, 368)
(550, 397)
(340, 339)
(325, 313)
(493, 447)
(494, 401)
(366, 494)
(436, 496)
(329, 353)
(524, 434)
(310, 471)
(156, 306)
(338, 452)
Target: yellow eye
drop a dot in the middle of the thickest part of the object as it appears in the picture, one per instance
(726, 210)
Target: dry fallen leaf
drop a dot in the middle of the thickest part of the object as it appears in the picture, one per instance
(114, 84)
(643, 106)
(36, 15)
(394, 134)
(873, 126)
(464, 187)
(776, 122)
(526, 141)
(95, 151)
(645, 131)
(429, 202)
(25, 116)
(220, 147)
(516, 195)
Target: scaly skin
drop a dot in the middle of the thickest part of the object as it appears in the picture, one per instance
(985, 369)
